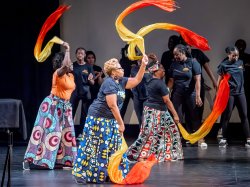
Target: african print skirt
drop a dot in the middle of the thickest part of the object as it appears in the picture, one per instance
(159, 135)
(99, 141)
(53, 136)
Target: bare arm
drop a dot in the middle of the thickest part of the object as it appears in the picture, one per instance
(210, 74)
(66, 63)
(112, 103)
(170, 106)
(134, 81)
(198, 100)
(218, 81)
(170, 83)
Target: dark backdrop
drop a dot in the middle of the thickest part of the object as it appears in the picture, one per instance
(22, 77)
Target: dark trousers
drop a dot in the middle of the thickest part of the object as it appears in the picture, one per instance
(185, 106)
(84, 109)
(240, 102)
(138, 106)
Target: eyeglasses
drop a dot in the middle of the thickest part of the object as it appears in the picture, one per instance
(118, 68)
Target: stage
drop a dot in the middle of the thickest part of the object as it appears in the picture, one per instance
(210, 167)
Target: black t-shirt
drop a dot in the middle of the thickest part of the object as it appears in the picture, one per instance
(81, 73)
(166, 60)
(235, 69)
(100, 108)
(183, 73)
(200, 57)
(140, 91)
(156, 90)
(94, 89)
(127, 64)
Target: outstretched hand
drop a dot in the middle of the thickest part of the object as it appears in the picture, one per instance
(145, 59)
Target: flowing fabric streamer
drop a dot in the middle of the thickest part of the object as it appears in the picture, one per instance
(219, 106)
(138, 173)
(49, 23)
(137, 40)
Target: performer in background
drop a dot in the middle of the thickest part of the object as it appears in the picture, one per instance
(185, 82)
(234, 66)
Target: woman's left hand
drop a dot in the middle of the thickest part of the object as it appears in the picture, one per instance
(198, 101)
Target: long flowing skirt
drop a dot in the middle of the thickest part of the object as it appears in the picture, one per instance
(100, 140)
(159, 135)
(53, 136)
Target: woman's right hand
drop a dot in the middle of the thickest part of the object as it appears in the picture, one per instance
(121, 128)
(176, 119)
(66, 45)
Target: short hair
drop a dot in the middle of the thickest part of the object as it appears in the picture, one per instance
(57, 60)
(89, 53)
(110, 65)
(80, 48)
(181, 48)
(231, 49)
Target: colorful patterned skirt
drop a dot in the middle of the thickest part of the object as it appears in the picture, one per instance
(100, 140)
(159, 135)
(53, 137)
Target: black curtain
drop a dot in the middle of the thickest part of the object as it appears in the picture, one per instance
(22, 77)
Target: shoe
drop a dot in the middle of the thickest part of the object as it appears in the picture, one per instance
(67, 167)
(223, 143)
(80, 180)
(26, 165)
(79, 138)
(247, 145)
(219, 135)
(202, 144)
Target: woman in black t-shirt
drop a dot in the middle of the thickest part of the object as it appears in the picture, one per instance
(185, 77)
(159, 134)
(99, 75)
(234, 67)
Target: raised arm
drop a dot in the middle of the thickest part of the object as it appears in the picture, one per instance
(66, 63)
(134, 81)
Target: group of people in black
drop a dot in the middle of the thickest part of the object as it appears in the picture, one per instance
(184, 77)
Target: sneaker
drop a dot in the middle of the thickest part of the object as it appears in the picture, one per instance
(67, 167)
(202, 144)
(80, 180)
(247, 145)
(79, 138)
(223, 143)
(26, 165)
(219, 135)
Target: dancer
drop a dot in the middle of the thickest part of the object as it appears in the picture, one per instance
(140, 93)
(104, 125)
(159, 134)
(53, 138)
(185, 76)
(234, 66)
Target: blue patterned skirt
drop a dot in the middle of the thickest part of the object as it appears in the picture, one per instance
(100, 140)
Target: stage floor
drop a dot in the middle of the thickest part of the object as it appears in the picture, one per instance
(200, 168)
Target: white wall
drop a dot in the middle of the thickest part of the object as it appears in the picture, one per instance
(91, 24)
